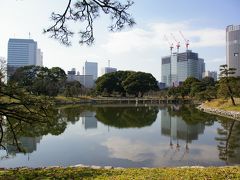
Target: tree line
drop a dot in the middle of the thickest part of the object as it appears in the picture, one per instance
(39, 80)
(207, 89)
(52, 82)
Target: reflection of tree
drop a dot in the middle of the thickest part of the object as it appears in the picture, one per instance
(127, 117)
(14, 129)
(229, 140)
(71, 114)
(192, 115)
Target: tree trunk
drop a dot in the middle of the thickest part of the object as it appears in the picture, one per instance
(230, 93)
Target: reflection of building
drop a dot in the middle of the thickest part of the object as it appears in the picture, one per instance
(28, 145)
(233, 47)
(23, 52)
(179, 66)
(177, 128)
(89, 120)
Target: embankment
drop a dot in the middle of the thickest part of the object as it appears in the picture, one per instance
(221, 112)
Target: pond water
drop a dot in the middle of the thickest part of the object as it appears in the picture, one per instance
(126, 136)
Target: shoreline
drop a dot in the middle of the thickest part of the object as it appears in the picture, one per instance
(220, 112)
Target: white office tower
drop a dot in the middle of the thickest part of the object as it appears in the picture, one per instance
(86, 80)
(106, 70)
(91, 68)
(233, 47)
(22, 52)
(212, 74)
(39, 58)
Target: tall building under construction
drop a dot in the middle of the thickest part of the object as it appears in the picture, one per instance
(177, 67)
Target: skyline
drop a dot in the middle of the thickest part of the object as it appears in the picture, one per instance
(139, 48)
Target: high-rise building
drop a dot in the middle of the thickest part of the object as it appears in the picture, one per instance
(178, 67)
(22, 52)
(233, 47)
(39, 58)
(106, 70)
(212, 74)
(91, 68)
(86, 80)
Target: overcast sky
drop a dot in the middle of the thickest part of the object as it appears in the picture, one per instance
(139, 48)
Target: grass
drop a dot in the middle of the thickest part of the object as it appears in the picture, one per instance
(63, 99)
(217, 173)
(224, 104)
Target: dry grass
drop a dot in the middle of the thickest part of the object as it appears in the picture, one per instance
(224, 104)
(218, 173)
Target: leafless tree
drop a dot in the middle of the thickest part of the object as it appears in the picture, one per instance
(85, 12)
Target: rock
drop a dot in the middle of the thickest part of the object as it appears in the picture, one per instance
(52, 167)
(108, 167)
(95, 167)
(81, 165)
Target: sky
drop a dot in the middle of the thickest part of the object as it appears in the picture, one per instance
(139, 48)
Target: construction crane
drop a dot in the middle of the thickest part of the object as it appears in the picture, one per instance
(177, 42)
(186, 41)
(170, 44)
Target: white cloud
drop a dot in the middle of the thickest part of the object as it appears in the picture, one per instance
(159, 154)
(153, 37)
(141, 49)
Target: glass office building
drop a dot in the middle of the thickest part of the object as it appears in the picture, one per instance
(179, 66)
(233, 47)
(91, 68)
(22, 52)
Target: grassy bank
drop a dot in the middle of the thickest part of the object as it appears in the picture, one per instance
(224, 104)
(71, 100)
(153, 173)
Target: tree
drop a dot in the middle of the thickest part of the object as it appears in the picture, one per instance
(86, 11)
(140, 83)
(112, 82)
(55, 81)
(72, 88)
(40, 80)
(197, 87)
(187, 84)
(225, 72)
(208, 81)
(18, 105)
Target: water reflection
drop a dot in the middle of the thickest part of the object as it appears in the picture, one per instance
(229, 141)
(127, 117)
(89, 120)
(28, 145)
(140, 136)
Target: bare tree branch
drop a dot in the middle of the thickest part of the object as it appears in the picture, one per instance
(85, 12)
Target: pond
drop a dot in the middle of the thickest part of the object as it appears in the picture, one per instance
(126, 136)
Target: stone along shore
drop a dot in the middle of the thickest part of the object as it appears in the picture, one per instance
(229, 114)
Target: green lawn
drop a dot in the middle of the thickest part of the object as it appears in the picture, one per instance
(217, 173)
